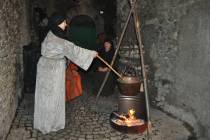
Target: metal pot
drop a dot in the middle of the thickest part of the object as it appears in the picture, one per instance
(129, 85)
(137, 103)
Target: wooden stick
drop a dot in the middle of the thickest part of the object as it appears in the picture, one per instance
(119, 75)
(120, 117)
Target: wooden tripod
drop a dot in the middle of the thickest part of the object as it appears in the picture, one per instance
(136, 21)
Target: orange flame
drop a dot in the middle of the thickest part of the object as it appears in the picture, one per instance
(129, 119)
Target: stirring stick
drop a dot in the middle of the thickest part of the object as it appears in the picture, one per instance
(119, 75)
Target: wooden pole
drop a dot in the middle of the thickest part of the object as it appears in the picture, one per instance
(140, 45)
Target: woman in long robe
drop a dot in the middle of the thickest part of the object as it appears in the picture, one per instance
(49, 112)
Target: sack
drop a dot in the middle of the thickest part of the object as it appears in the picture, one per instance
(73, 83)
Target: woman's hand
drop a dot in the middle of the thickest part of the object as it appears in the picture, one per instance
(100, 69)
(106, 69)
(95, 54)
(103, 69)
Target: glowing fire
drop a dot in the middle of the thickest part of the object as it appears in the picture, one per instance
(131, 113)
(129, 119)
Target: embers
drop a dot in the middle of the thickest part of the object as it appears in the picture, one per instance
(128, 120)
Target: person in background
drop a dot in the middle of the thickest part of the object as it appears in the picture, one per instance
(107, 52)
(49, 108)
(99, 46)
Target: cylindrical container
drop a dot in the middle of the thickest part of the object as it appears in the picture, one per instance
(125, 103)
(129, 85)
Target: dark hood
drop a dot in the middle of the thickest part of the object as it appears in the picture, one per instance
(53, 23)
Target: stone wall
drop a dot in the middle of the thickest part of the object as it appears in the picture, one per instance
(176, 38)
(13, 35)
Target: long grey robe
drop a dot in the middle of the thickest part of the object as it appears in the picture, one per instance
(49, 112)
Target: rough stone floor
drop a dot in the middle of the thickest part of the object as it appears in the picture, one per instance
(84, 121)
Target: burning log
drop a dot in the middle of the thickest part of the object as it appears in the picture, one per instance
(129, 123)
(128, 120)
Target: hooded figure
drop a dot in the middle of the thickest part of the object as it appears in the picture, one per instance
(54, 21)
(49, 109)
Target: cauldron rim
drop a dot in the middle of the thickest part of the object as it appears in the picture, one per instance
(129, 80)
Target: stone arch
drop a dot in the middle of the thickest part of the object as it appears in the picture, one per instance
(85, 8)
(82, 31)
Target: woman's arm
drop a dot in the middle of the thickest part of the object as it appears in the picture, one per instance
(82, 57)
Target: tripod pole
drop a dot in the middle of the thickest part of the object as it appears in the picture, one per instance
(139, 39)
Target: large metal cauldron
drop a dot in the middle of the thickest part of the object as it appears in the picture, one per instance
(137, 103)
(129, 85)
